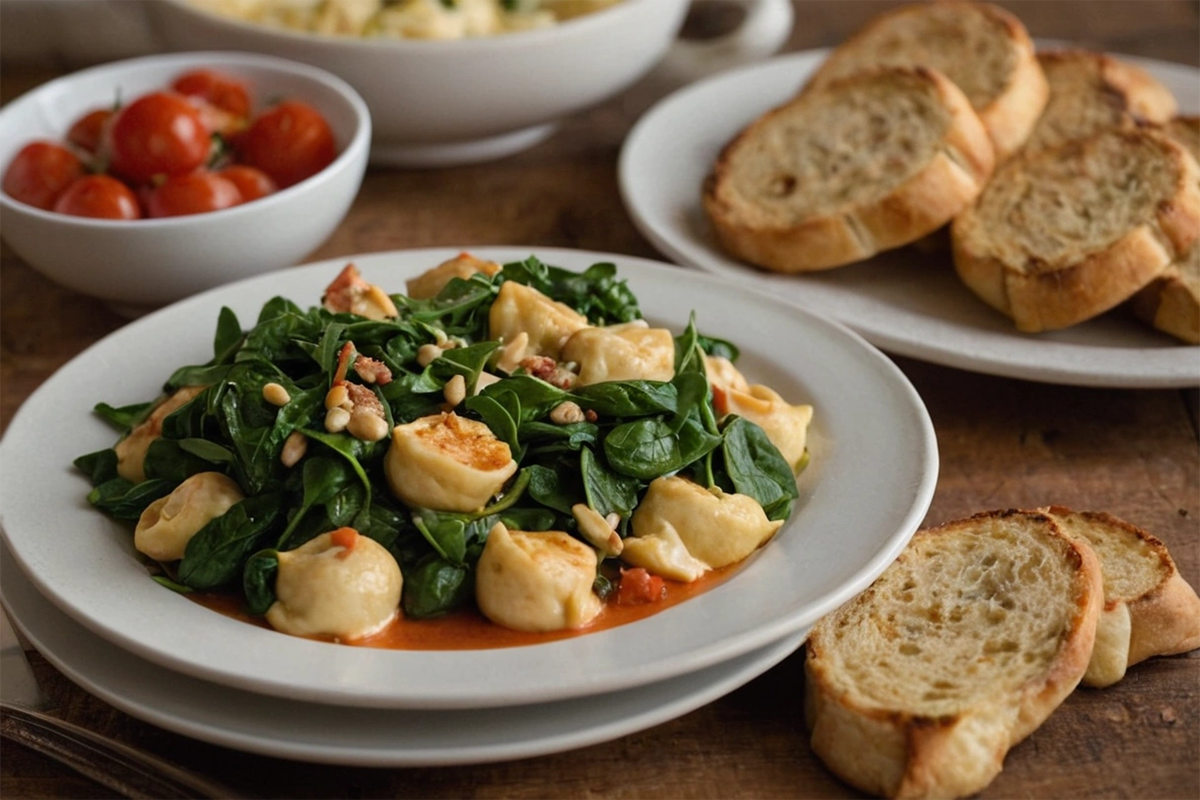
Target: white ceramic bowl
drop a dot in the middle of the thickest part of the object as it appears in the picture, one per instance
(440, 103)
(140, 264)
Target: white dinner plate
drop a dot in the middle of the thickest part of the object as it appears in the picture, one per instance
(873, 471)
(358, 736)
(905, 301)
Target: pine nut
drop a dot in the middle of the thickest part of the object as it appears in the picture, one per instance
(613, 520)
(566, 413)
(427, 353)
(367, 426)
(337, 419)
(338, 397)
(512, 353)
(275, 394)
(294, 448)
(598, 532)
(455, 390)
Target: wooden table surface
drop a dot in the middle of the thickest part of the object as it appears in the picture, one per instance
(1003, 443)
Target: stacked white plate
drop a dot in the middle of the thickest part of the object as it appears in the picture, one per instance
(75, 586)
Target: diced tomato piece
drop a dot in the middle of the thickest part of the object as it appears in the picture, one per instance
(639, 586)
(345, 538)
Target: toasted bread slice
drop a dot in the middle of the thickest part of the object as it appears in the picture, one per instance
(961, 648)
(1171, 302)
(864, 164)
(1061, 235)
(1090, 92)
(982, 48)
(1149, 609)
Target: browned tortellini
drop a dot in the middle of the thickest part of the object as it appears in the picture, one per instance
(522, 309)
(464, 265)
(169, 523)
(131, 451)
(447, 462)
(536, 581)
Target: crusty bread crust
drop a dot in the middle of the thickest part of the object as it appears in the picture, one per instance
(1008, 113)
(1171, 302)
(1149, 609)
(904, 748)
(1047, 295)
(928, 199)
(1093, 91)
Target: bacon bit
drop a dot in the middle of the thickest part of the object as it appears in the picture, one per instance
(590, 415)
(345, 538)
(372, 371)
(547, 369)
(362, 398)
(338, 294)
(339, 375)
(639, 586)
(720, 400)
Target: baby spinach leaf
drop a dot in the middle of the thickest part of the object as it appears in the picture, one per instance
(718, 347)
(628, 398)
(228, 337)
(498, 418)
(258, 581)
(647, 448)
(324, 478)
(756, 467)
(445, 532)
(207, 450)
(121, 499)
(215, 555)
(606, 491)
(435, 587)
(326, 354)
(166, 459)
(536, 397)
(163, 580)
(125, 417)
(99, 466)
(554, 488)
(465, 361)
(530, 519)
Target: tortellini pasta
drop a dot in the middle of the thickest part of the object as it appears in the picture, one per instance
(631, 351)
(522, 309)
(536, 581)
(169, 523)
(447, 462)
(464, 265)
(714, 527)
(131, 451)
(340, 584)
(723, 375)
(786, 425)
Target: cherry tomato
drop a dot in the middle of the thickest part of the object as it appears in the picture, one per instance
(88, 130)
(223, 91)
(289, 142)
(251, 183)
(193, 193)
(41, 172)
(99, 196)
(158, 134)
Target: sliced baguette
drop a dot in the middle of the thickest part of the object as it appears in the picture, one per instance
(1149, 609)
(961, 648)
(1061, 235)
(982, 48)
(1171, 302)
(1090, 92)
(864, 164)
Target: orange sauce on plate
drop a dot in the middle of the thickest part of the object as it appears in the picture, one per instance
(467, 629)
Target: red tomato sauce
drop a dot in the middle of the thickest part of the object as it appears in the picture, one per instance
(470, 630)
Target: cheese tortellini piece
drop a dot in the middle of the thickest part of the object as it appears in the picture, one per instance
(131, 451)
(723, 375)
(536, 581)
(169, 523)
(630, 351)
(431, 282)
(340, 584)
(523, 309)
(679, 523)
(447, 463)
(786, 425)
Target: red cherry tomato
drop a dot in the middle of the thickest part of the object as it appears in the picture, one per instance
(99, 196)
(158, 134)
(41, 172)
(223, 91)
(289, 142)
(193, 193)
(251, 183)
(88, 130)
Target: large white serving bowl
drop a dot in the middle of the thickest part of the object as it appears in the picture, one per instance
(442, 103)
(140, 264)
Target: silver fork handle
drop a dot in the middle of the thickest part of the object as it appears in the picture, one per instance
(131, 772)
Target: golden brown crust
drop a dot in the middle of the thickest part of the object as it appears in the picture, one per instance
(922, 204)
(903, 752)
(1008, 115)
(1043, 296)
